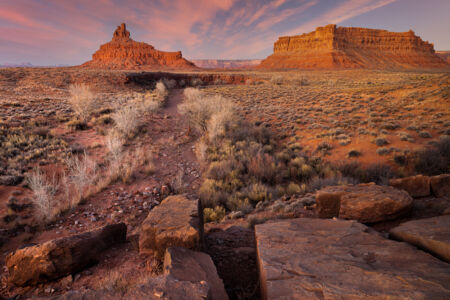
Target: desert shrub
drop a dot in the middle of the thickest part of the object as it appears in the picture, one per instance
(161, 89)
(262, 167)
(76, 124)
(127, 120)
(213, 214)
(81, 175)
(354, 153)
(381, 142)
(81, 99)
(425, 134)
(434, 160)
(293, 188)
(324, 146)
(257, 192)
(200, 109)
(277, 79)
(378, 173)
(196, 82)
(383, 151)
(44, 190)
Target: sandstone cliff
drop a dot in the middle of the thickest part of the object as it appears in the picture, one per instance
(445, 55)
(332, 47)
(226, 63)
(124, 53)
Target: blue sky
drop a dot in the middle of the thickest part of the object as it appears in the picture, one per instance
(68, 32)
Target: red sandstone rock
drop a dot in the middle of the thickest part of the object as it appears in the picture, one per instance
(416, 186)
(61, 257)
(176, 222)
(445, 55)
(440, 185)
(333, 47)
(124, 53)
(367, 203)
(336, 259)
(186, 265)
(431, 234)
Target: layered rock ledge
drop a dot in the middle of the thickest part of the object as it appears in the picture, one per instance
(332, 47)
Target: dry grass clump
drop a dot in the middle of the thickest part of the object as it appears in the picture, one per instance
(127, 120)
(80, 179)
(434, 160)
(81, 99)
(44, 190)
(203, 111)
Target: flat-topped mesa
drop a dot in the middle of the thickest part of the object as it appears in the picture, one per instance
(122, 52)
(347, 47)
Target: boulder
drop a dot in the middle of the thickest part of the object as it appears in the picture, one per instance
(416, 186)
(187, 265)
(440, 185)
(366, 203)
(63, 256)
(431, 234)
(340, 259)
(157, 288)
(176, 222)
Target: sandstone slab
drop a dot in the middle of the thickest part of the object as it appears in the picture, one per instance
(340, 259)
(416, 186)
(440, 185)
(187, 265)
(431, 234)
(366, 203)
(176, 222)
(61, 257)
(156, 288)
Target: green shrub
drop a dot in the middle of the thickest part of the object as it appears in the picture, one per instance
(215, 214)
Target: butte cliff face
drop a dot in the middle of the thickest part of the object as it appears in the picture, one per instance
(124, 53)
(332, 47)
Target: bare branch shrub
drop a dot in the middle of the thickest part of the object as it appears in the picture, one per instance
(81, 175)
(127, 120)
(81, 99)
(44, 190)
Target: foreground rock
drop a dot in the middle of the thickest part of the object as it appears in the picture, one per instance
(431, 234)
(440, 185)
(156, 288)
(332, 47)
(186, 265)
(176, 222)
(366, 203)
(338, 259)
(124, 53)
(61, 257)
(416, 186)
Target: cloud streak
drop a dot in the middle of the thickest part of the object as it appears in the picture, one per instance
(66, 31)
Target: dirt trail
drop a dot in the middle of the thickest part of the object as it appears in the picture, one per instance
(176, 165)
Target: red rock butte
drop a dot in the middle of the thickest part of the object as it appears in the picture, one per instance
(332, 47)
(124, 53)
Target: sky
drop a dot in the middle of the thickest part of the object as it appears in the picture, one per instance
(51, 32)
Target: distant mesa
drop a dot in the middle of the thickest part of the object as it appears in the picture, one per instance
(124, 53)
(445, 55)
(332, 47)
(226, 63)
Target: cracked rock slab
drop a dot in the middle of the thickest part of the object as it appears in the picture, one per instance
(338, 259)
(430, 234)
